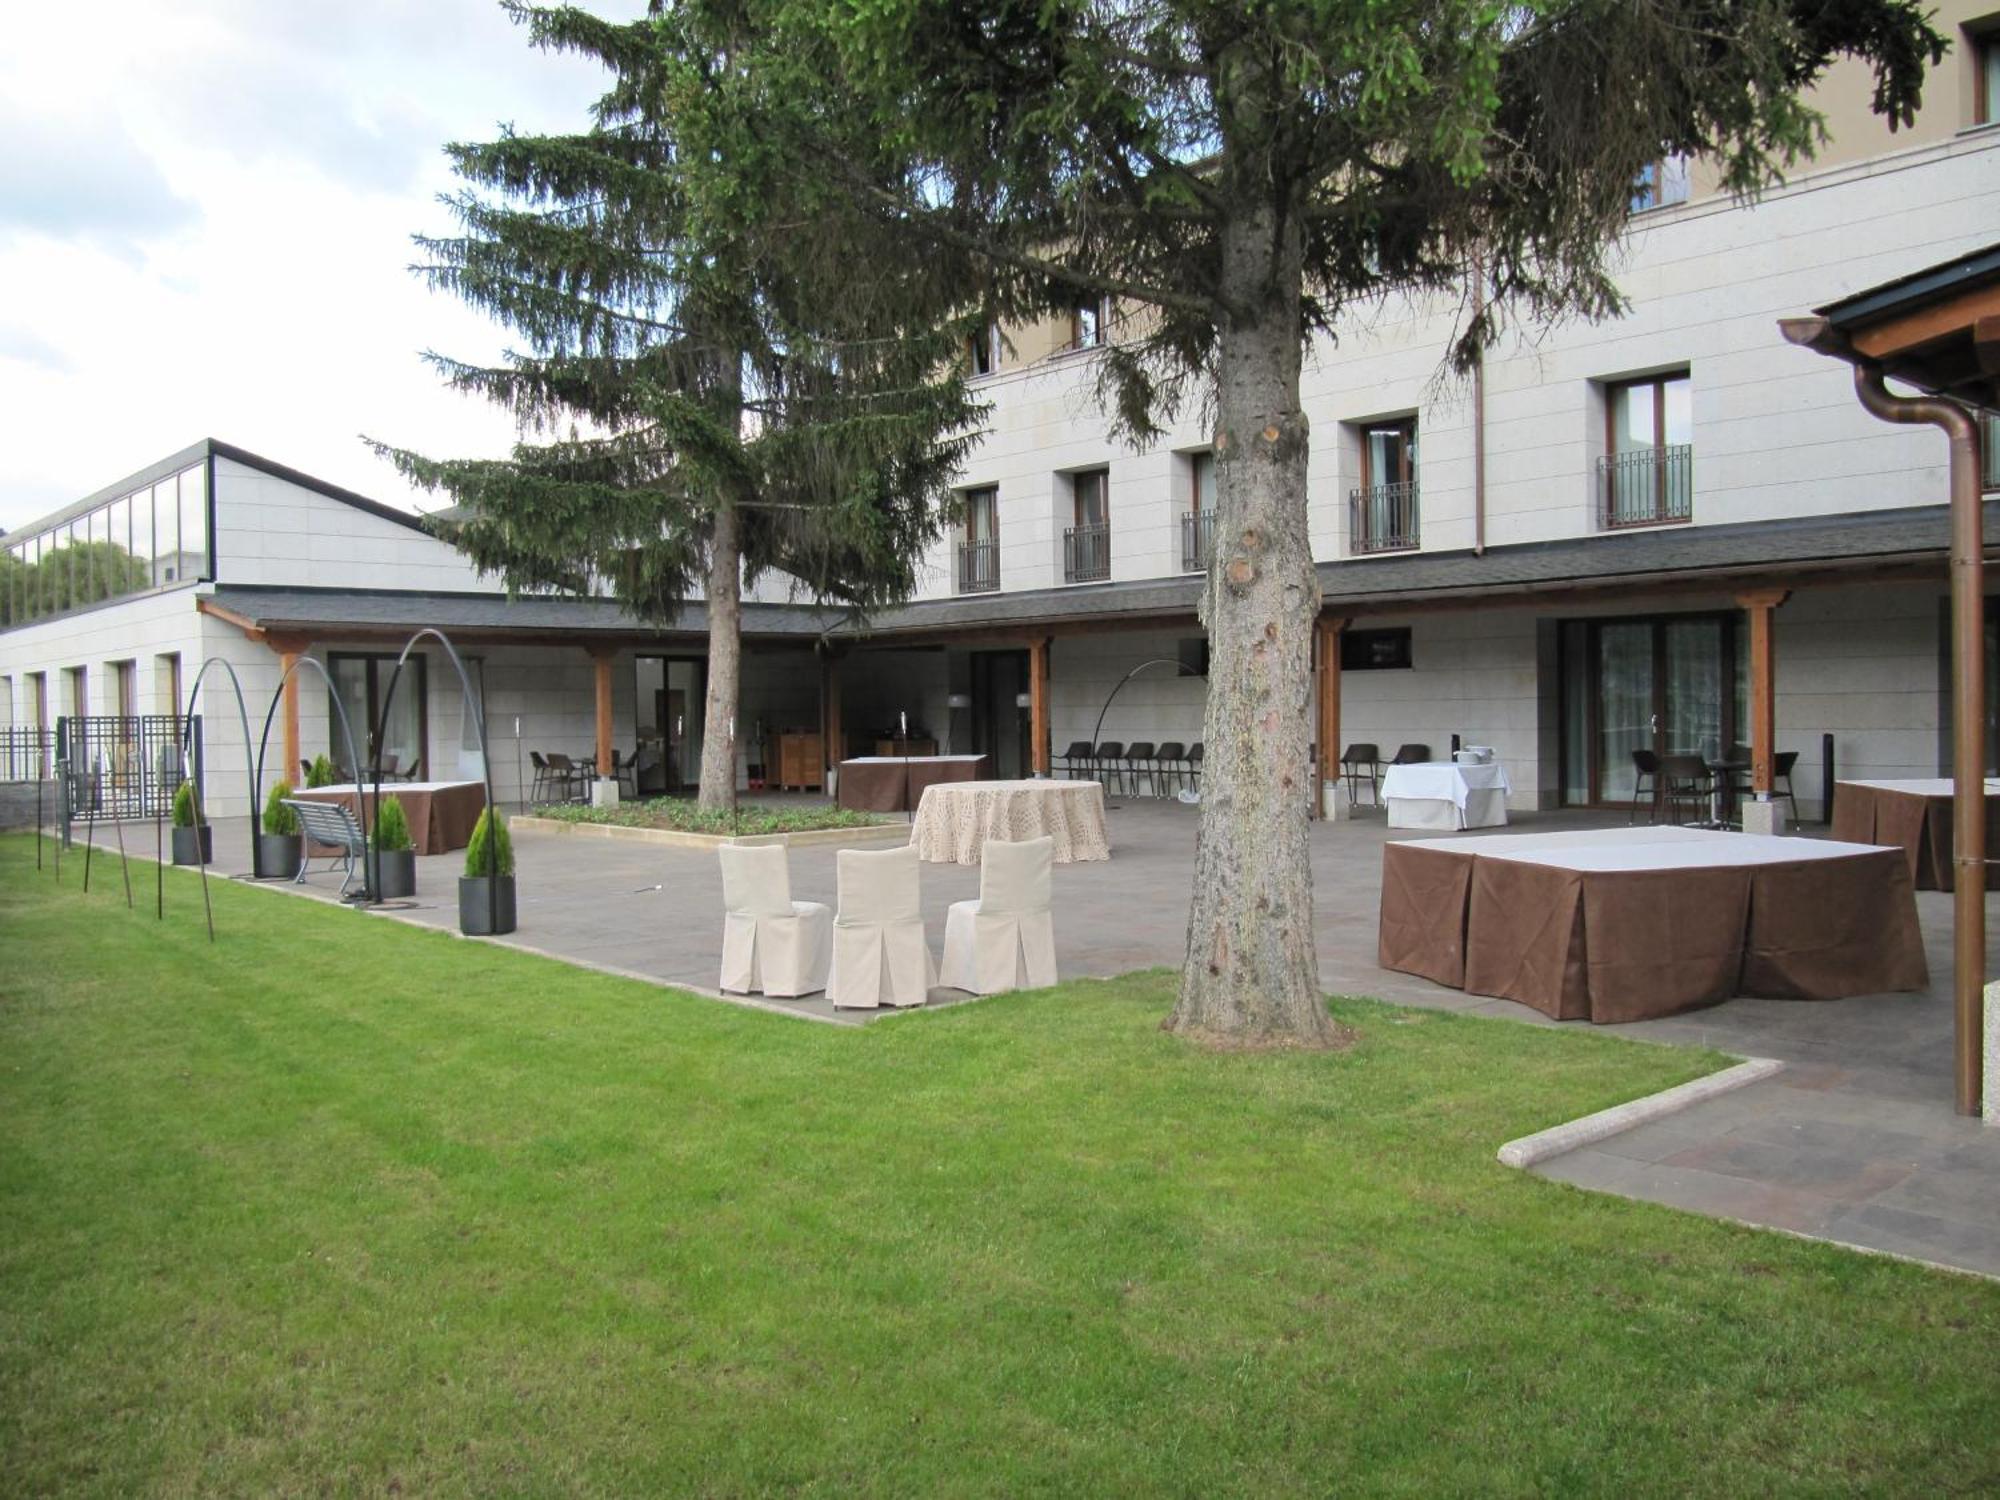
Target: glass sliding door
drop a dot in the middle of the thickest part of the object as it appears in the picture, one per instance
(1625, 709)
(1671, 685)
(1693, 702)
(361, 684)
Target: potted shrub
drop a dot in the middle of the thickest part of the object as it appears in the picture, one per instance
(486, 890)
(278, 846)
(392, 857)
(193, 844)
(321, 773)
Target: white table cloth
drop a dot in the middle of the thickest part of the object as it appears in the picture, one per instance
(1444, 794)
(956, 817)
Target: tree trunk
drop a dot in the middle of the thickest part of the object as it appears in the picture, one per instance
(725, 662)
(1251, 978)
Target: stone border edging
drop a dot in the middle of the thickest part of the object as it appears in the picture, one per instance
(1589, 1129)
(878, 833)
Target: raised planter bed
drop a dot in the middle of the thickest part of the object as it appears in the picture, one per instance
(869, 836)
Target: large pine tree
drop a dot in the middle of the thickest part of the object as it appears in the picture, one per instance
(705, 394)
(1238, 176)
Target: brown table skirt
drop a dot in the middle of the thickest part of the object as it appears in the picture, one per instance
(1916, 822)
(1624, 945)
(894, 786)
(440, 820)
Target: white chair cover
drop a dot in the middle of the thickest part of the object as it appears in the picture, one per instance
(771, 944)
(879, 953)
(1005, 940)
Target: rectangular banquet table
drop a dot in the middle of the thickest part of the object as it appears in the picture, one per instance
(441, 813)
(956, 820)
(893, 783)
(1444, 794)
(1912, 815)
(1621, 924)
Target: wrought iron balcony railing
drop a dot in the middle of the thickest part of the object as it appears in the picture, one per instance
(978, 567)
(1383, 518)
(1197, 539)
(1086, 554)
(1646, 487)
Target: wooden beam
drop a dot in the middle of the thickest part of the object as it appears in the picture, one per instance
(601, 660)
(1761, 606)
(290, 648)
(1327, 647)
(1038, 705)
(1958, 315)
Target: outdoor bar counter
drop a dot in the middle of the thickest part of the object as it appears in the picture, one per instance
(1624, 924)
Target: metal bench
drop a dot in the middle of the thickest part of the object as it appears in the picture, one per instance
(330, 825)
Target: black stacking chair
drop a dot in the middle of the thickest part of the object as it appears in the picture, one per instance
(1197, 752)
(1781, 770)
(1685, 786)
(1645, 784)
(1076, 759)
(1362, 761)
(1411, 755)
(1109, 761)
(1172, 761)
(1140, 758)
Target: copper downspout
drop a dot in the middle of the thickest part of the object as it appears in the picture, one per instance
(1479, 420)
(1968, 713)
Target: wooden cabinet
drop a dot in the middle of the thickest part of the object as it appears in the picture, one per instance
(906, 747)
(800, 763)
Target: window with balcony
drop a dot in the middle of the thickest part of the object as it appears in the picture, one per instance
(1382, 513)
(985, 348)
(979, 548)
(1198, 520)
(1087, 543)
(1661, 184)
(1646, 476)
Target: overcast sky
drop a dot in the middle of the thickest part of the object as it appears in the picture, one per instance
(205, 219)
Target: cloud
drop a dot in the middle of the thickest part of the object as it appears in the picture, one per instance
(30, 348)
(83, 178)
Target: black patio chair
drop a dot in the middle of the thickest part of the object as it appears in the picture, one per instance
(1139, 761)
(1075, 760)
(1411, 755)
(1685, 787)
(1646, 784)
(544, 776)
(1197, 753)
(1172, 763)
(1109, 759)
(1781, 770)
(1361, 761)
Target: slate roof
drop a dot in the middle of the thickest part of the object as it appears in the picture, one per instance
(1827, 545)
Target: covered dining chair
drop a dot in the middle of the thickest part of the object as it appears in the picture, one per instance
(1005, 940)
(880, 956)
(771, 944)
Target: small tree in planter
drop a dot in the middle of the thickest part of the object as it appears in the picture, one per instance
(194, 843)
(486, 890)
(321, 772)
(279, 847)
(392, 861)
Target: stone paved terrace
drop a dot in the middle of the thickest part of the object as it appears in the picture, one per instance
(1854, 1141)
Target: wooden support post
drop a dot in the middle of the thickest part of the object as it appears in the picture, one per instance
(1038, 705)
(1328, 647)
(289, 648)
(833, 745)
(1761, 606)
(601, 660)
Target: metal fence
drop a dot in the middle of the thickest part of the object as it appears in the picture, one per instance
(1197, 539)
(120, 766)
(978, 567)
(1086, 553)
(1383, 517)
(27, 754)
(1646, 486)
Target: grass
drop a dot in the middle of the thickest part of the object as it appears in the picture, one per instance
(341, 1205)
(683, 816)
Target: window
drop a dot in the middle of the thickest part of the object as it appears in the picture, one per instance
(1646, 475)
(154, 535)
(1984, 48)
(1089, 322)
(1375, 650)
(124, 690)
(360, 684)
(1198, 520)
(78, 696)
(1087, 544)
(979, 552)
(986, 350)
(167, 683)
(1382, 513)
(1661, 184)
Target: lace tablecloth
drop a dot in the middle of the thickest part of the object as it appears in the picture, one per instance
(956, 818)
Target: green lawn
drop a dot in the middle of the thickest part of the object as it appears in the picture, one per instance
(339, 1205)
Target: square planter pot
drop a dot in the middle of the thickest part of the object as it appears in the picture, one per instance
(478, 918)
(392, 873)
(276, 856)
(194, 846)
